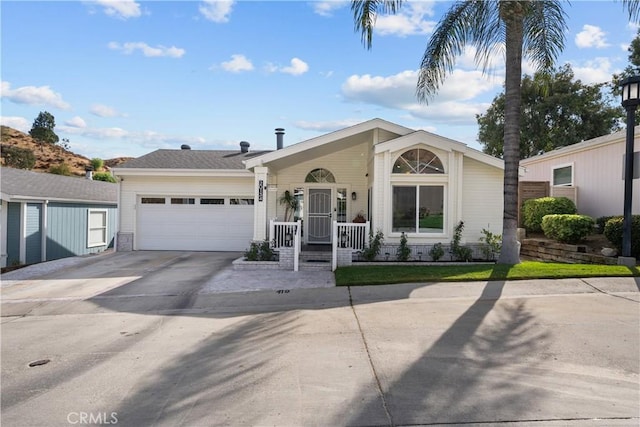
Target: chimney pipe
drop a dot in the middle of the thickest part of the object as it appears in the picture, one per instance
(88, 173)
(244, 146)
(279, 138)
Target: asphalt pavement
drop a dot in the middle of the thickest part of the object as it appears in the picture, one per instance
(137, 341)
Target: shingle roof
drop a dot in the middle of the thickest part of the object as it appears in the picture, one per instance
(191, 159)
(23, 183)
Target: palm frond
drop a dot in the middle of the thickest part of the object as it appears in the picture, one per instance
(544, 32)
(633, 7)
(365, 13)
(448, 41)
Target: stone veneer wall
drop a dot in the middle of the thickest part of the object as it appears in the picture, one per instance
(548, 250)
(125, 242)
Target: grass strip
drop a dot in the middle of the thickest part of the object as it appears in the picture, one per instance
(389, 274)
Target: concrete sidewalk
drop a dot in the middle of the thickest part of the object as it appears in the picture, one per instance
(558, 353)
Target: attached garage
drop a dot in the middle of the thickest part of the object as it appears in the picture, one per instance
(210, 223)
(187, 200)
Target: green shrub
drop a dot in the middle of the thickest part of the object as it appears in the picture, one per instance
(404, 251)
(492, 244)
(103, 176)
(436, 252)
(567, 228)
(97, 164)
(259, 251)
(460, 253)
(613, 231)
(19, 158)
(601, 222)
(61, 169)
(535, 209)
(375, 244)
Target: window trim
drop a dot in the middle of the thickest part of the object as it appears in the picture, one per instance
(562, 166)
(417, 185)
(103, 227)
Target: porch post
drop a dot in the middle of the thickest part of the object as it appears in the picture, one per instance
(260, 205)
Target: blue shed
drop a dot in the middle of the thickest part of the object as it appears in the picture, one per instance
(46, 217)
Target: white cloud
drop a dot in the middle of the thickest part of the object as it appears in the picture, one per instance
(326, 8)
(591, 36)
(409, 20)
(122, 9)
(32, 95)
(19, 123)
(238, 63)
(130, 47)
(104, 111)
(452, 103)
(597, 70)
(216, 10)
(297, 67)
(76, 122)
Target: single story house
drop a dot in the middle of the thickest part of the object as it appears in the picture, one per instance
(46, 217)
(591, 173)
(399, 179)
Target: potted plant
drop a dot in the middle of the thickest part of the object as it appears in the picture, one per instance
(290, 204)
(359, 219)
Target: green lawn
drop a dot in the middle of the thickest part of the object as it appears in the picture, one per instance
(383, 274)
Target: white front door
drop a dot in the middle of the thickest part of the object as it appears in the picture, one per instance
(319, 215)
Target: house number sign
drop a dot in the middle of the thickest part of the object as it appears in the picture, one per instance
(260, 190)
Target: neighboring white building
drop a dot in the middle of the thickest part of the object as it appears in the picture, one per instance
(590, 172)
(399, 179)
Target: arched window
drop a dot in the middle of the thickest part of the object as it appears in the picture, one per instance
(320, 175)
(418, 161)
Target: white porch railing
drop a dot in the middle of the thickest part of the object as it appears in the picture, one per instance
(349, 235)
(287, 235)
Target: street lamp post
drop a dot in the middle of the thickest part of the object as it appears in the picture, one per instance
(630, 101)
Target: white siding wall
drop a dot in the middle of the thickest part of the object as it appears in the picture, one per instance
(599, 194)
(473, 194)
(349, 167)
(134, 186)
(482, 199)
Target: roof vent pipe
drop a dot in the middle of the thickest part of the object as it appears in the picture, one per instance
(279, 138)
(185, 147)
(244, 146)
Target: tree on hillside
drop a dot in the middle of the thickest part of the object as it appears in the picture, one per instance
(534, 29)
(42, 129)
(556, 111)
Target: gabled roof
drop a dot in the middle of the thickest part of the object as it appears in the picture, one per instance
(191, 159)
(323, 142)
(23, 184)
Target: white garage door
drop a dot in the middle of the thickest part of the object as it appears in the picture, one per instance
(194, 223)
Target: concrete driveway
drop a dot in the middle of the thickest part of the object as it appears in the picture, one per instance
(139, 281)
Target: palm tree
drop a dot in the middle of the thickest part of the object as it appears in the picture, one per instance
(633, 7)
(533, 28)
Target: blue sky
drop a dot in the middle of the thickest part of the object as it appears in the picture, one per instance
(124, 78)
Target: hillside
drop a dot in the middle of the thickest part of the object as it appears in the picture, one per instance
(48, 155)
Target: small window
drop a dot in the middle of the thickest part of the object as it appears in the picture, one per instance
(183, 201)
(212, 201)
(320, 175)
(241, 201)
(153, 201)
(97, 228)
(418, 161)
(563, 175)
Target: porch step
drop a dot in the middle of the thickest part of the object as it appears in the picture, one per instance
(315, 261)
(315, 257)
